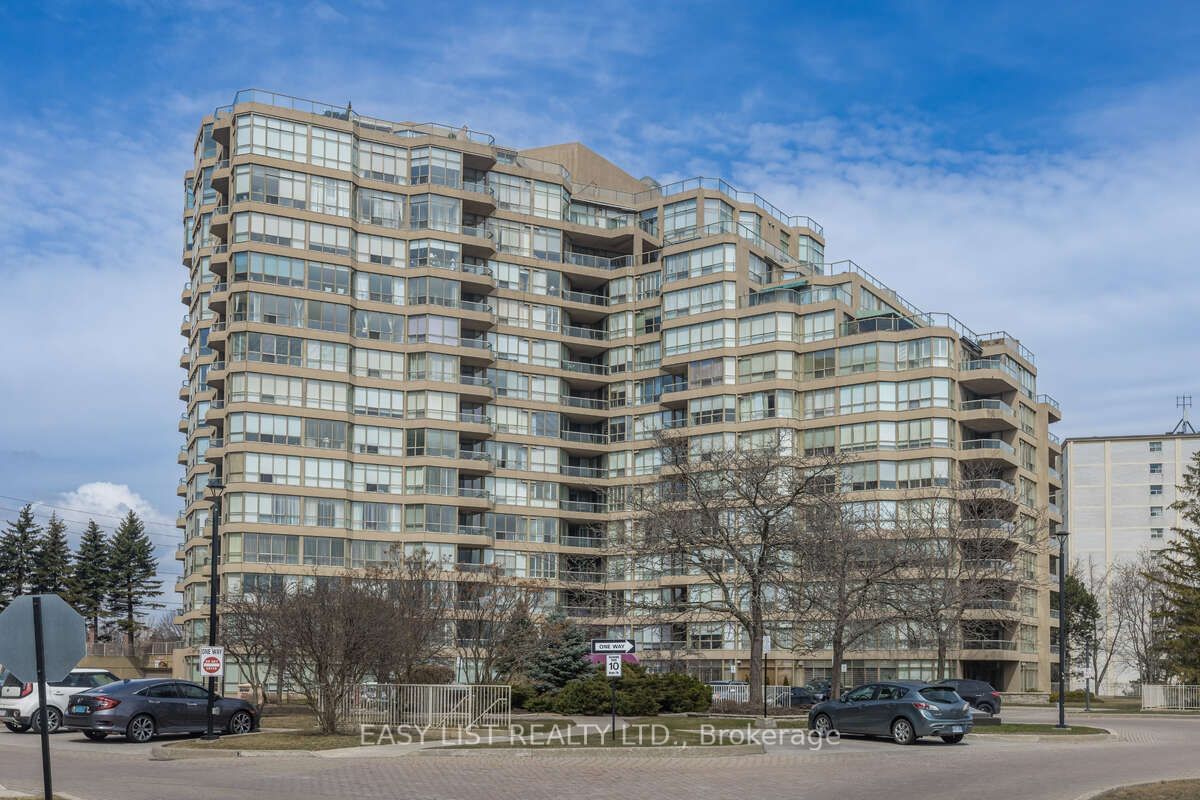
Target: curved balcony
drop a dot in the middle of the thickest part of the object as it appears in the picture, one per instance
(988, 415)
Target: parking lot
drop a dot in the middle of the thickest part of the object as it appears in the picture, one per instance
(1144, 748)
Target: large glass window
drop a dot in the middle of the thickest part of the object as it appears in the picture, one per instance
(437, 166)
(382, 162)
(276, 138)
(332, 149)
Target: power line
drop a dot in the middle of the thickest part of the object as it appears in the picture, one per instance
(174, 538)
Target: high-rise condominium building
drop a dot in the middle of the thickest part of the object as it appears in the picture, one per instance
(1119, 493)
(407, 335)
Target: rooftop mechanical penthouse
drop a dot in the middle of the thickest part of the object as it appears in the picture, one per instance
(406, 335)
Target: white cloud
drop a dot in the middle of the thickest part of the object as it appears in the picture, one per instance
(1085, 255)
(108, 501)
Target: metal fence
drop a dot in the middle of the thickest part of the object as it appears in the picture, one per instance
(1170, 696)
(777, 696)
(432, 705)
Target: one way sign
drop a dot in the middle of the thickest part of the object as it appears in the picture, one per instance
(613, 646)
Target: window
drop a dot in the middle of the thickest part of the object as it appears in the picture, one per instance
(276, 138)
(330, 196)
(261, 184)
(380, 208)
(382, 162)
(331, 149)
(679, 219)
(1156, 533)
(1156, 469)
(1156, 489)
(1156, 511)
(1155, 447)
(819, 364)
(437, 166)
(695, 263)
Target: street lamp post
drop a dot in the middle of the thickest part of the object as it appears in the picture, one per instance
(1063, 628)
(215, 487)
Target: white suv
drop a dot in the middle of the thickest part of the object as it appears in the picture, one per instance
(19, 701)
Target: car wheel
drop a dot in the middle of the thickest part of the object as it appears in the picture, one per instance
(16, 727)
(953, 738)
(823, 725)
(241, 722)
(96, 736)
(902, 732)
(53, 720)
(140, 729)
(986, 708)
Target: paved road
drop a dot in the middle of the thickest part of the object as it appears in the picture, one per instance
(1146, 748)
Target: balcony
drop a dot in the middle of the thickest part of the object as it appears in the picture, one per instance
(997, 485)
(992, 375)
(1052, 407)
(989, 644)
(991, 449)
(597, 262)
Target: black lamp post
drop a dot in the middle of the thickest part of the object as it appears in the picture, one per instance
(215, 487)
(1063, 628)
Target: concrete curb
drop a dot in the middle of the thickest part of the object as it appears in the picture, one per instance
(694, 751)
(164, 752)
(1038, 738)
(36, 793)
(1098, 792)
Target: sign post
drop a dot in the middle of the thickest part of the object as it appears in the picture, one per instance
(42, 639)
(613, 651)
(766, 648)
(212, 667)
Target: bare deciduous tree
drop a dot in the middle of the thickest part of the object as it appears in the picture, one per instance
(1135, 599)
(254, 638)
(959, 543)
(1103, 631)
(845, 577)
(333, 629)
(415, 597)
(736, 517)
(489, 609)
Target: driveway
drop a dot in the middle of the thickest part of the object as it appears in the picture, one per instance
(1145, 749)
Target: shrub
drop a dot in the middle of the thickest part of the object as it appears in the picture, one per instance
(1075, 696)
(588, 695)
(677, 692)
(522, 693)
(431, 673)
(540, 702)
(638, 693)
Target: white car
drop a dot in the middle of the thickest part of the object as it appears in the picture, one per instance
(19, 701)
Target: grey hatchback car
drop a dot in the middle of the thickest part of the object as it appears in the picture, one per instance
(903, 710)
(143, 709)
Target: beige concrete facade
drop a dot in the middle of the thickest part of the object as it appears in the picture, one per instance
(403, 334)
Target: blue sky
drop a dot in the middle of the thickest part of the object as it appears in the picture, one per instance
(1031, 167)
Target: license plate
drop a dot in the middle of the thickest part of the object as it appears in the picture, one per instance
(956, 729)
(78, 709)
(8, 712)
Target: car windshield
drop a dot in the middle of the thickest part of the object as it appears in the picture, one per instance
(940, 694)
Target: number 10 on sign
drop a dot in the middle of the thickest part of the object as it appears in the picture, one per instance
(612, 665)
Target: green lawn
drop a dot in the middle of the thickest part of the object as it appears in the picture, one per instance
(1036, 728)
(1166, 790)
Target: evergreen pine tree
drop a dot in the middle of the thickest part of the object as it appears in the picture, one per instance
(18, 545)
(90, 578)
(561, 656)
(132, 569)
(52, 560)
(1083, 614)
(1180, 583)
